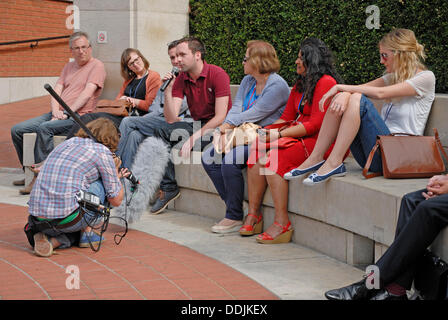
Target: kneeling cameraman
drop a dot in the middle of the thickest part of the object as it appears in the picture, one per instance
(76, 164)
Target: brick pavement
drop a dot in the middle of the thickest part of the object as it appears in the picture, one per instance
(141, 267)
(11, 114)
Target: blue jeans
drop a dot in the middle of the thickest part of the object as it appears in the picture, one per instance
(45, 130)
(225, 171)
(133, 131)
(371, 125)
(68, 236)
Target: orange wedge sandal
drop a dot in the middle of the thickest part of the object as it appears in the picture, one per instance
(249, 230)
(283, 237)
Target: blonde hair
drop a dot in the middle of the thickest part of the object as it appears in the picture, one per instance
(408, 53)
(104, 131)
(262, 56)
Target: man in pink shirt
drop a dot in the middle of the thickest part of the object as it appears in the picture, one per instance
(80, 84)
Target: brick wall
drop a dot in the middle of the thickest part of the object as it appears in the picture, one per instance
(30, 19)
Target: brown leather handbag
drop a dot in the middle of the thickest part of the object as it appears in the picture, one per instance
(118, 107)
(408, 156)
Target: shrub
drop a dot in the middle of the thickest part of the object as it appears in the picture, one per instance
(226, 25)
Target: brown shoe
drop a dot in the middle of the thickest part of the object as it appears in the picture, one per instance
(42, 245)
(19, 182)
(29, 187)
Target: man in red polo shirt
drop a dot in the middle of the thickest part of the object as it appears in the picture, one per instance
(207, 89)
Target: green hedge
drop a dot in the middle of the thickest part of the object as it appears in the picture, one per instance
(226, 25)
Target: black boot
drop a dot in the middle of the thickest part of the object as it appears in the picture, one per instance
(355, 291)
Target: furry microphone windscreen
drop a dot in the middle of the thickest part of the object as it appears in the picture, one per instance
(149, 166)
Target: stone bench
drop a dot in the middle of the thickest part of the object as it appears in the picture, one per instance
(29, 140)
(349, 218)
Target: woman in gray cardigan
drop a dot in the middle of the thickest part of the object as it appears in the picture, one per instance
(261, 99)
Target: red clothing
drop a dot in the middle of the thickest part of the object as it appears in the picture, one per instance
(213, 82)
(153, 83)
(284, 160)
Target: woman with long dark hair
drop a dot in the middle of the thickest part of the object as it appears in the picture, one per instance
(317, 75)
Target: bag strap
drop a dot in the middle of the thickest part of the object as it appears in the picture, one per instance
(402, 134)
(439, 144)
(217, 145)
(369, 162)
(229, 140)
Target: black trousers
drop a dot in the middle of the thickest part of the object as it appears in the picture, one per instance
(419, 223)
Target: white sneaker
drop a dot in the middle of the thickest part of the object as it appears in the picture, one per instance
(234, 227)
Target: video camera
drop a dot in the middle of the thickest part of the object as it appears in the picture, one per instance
(91, 202)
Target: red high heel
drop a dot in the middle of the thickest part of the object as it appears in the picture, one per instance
(283, 237)
(249, 230)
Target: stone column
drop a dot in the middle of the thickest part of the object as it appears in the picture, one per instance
(148, 25)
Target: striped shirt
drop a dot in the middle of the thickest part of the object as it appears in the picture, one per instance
(72, 166)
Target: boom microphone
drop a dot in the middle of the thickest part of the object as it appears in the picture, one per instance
(70, 111)
(165, 84)
(133, 179)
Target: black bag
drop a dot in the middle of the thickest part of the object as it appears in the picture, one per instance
(431, 277)
(34, 226)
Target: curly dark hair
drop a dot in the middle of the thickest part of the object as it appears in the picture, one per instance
(318, 61)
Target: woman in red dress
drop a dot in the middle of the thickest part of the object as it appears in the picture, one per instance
(317, 75)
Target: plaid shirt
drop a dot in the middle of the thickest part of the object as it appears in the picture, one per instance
(72, 166)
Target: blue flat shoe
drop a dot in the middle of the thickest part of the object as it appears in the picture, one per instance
(296, 173)
(314, 178)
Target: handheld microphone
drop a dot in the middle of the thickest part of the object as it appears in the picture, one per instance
(165, 84)
(133, 179)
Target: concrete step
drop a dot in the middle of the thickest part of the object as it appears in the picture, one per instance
(349, 218)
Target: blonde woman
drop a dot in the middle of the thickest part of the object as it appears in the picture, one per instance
(408, 89)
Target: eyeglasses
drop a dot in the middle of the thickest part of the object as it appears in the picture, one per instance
(245, 59)
(384, 56)
(83, 48)
(133, 62)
